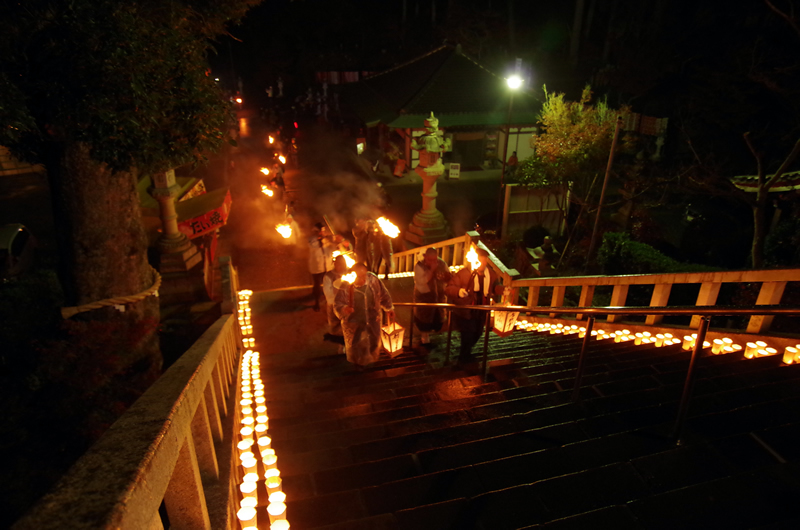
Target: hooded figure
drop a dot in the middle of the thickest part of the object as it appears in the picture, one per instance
(359, 305)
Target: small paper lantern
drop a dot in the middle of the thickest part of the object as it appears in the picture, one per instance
(247, 516)
(789, 354)
(504, 323)
(276, 511)
(281, 524)
(392, 338)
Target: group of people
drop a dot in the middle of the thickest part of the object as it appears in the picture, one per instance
(434, 283)
(357, 310)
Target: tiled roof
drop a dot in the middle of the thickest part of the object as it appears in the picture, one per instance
(459, 91)
(787, 182)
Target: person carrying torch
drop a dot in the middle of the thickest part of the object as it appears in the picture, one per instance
(358, 304)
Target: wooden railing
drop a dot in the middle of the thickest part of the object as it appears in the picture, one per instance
(773, 283)
(173, 446)
(453, 252)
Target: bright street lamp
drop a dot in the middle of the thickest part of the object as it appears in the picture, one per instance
(514, 82)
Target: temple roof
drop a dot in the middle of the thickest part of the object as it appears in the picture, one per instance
(788, 181)
(456, 88)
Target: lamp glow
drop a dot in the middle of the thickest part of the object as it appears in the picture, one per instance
(514, 82)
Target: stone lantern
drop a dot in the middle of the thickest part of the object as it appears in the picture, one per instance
(428, 224)
(178, 254)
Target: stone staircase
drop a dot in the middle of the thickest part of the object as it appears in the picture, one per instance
(405, 445)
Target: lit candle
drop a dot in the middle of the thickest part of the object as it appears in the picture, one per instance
(278, 496)
(273, 484)
(638, 338)
(789, 354)
(281, 524)
(688, 342)
(716, 346)
(750, 350)
(770, 351)
(276, 511)
(249, 489)
(247, 516)
(659, 340)
(248, 502)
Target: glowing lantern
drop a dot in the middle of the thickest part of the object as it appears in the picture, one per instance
(265, 170)
(249, 489)
(284, 230)
(716, 346)
(281, 524)
(247, 516)
(278, 496)
(266, 190)
(750, 350)
(276, 511)
(271, 140)
(248, 502)
(504, 322)
(387, 227)
(688, 342)
(270, 461)
(789, 355)
(273, 483)
(392, 338)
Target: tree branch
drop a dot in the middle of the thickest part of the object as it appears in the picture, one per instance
(757, 157)
(790, 19)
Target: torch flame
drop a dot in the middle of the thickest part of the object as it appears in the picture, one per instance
(349, 278)
(266, 190)
(347, 259)
(265, 170)
(472, 257)
(285, 230)
(388, 228)
(271, 140)
(282, 159)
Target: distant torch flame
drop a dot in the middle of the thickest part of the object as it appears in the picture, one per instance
(282, 159)
(238, 100)
(388, 228)
(347, 259)
(349, 278)
(284, 230)
(266, 190)
(271, 140)
(265, 170)
(472, 257)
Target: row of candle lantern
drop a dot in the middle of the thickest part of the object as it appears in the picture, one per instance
(718, 346)
(254, 425)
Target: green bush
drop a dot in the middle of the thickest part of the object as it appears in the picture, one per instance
(620, 255)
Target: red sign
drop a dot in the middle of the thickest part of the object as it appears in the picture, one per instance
(215, 207)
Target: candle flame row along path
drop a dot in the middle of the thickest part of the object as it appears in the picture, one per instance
(254, 441)
(718, 346)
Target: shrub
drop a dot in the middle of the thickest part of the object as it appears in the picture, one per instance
(620, 255)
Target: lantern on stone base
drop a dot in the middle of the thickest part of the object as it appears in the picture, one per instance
(504, 322)
(392, 338)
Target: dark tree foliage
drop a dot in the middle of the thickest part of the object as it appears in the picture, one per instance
(130, 79)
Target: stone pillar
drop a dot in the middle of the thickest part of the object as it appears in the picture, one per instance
(178, 254)
(428, 224)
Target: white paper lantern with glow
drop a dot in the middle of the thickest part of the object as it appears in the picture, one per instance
(276, 511)
(282, 524)
(247, 517)
(789, 355)
(273, 483)
(392, 338)
(249, 489)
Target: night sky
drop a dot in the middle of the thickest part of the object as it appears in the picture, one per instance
(715, 68)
